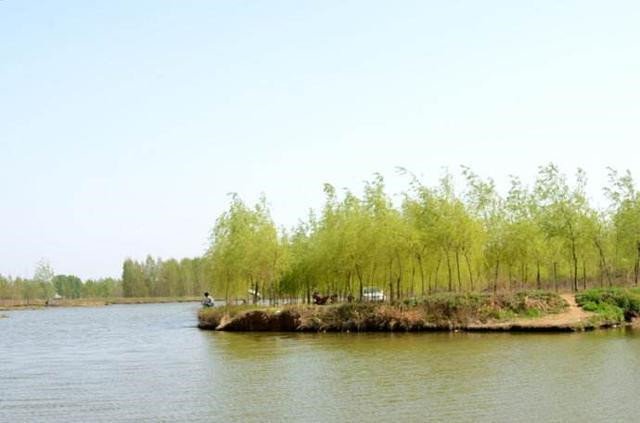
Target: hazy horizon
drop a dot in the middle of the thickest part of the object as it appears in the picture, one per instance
(124, 125)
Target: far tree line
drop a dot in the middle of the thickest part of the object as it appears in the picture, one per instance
(148, 278)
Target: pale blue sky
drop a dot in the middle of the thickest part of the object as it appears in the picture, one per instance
(124, 124)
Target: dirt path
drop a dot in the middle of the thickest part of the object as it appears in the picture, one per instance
(572, 318)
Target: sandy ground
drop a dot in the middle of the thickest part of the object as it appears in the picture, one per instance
(573, 317)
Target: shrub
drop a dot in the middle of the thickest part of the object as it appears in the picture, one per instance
(611, 304)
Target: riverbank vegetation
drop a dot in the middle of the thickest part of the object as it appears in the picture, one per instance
(614, 305)
(434, 239)
(445, 311)
(426, 239)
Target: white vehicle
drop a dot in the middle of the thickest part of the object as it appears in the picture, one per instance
(371, 293)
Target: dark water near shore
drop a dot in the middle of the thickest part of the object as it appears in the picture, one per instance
(150, 363)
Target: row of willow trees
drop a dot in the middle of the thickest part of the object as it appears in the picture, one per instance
(544, 236)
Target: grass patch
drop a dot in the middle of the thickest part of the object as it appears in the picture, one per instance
(484, 307)
(612, 305)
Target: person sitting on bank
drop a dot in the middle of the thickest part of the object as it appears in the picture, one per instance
(208, 301)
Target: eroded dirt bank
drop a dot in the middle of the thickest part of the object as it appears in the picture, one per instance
(531, 312)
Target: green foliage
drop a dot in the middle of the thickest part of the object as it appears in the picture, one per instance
(434, 240)
(485, 306)
(68, 286)
(611, 304)
(170, 278)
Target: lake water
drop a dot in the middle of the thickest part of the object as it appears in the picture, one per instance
(151, 363)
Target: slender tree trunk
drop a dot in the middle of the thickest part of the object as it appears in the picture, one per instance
(584, 275)
(575, 266)
(255, 293)
(359, 275)
(449, 272)
(495, 281)
(226, 292)
(555, 276)
(390, 281)
(421, 273)
(603, 262)
(413, 278)
(458, 270)
(435, 281)
(374, 266)
(399, 278)
(538, 281)
(637, 263)
(466, 257)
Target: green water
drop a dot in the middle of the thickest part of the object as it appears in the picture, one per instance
(150, 362)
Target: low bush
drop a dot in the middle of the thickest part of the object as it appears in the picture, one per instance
(611, 304)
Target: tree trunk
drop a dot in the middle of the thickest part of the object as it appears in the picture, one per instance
(538, 282)
(466, 257)
(413, 279)
(575, 266)
(555, 276)
(421, 273)
(435, 281)
(637, 263)
(399, 278)
(390, 280)
(255, 293)
(359, 275)
(495, 281)
(449, 272)
(458, 270)
(584, 275)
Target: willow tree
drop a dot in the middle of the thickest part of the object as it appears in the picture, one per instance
(626, 219)
(488, 207)
(388, 232)
(565, 214)
(244, 250)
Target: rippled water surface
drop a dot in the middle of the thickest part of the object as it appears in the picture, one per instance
(150, 362)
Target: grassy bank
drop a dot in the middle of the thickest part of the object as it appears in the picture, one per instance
(611, 305)
(438, 312)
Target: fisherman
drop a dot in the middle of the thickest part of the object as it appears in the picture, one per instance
(207, 301)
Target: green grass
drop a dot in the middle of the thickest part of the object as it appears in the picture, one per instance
(464, 307)
(613, 305)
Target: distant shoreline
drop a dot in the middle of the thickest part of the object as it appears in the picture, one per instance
(9, 305)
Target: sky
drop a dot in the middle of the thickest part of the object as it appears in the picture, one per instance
(124, 125)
